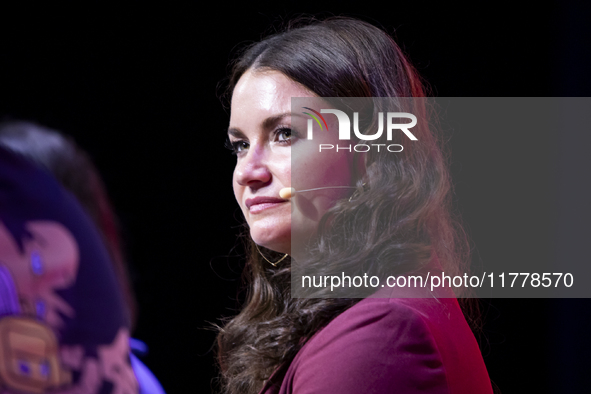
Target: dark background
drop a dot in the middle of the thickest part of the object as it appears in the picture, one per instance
(136, 87)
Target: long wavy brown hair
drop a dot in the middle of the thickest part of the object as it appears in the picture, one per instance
(401, 213)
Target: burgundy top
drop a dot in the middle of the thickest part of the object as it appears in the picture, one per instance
(389, 345)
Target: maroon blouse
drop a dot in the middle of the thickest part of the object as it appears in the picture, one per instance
(389, 345)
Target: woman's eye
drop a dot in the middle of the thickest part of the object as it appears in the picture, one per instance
(283, 134)
(237, 146)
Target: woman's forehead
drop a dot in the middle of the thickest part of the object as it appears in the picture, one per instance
(267, 90)
(261, 95)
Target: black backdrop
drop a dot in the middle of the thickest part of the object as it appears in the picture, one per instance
(136, 87)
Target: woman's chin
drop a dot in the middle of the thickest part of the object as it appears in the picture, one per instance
(280, 243)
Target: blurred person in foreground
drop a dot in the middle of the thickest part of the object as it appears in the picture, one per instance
(66, 306)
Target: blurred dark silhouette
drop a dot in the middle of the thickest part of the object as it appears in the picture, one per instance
(74, 169)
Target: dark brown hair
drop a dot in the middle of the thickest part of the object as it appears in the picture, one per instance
(401, 216)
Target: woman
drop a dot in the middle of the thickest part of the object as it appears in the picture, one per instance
(373, 212)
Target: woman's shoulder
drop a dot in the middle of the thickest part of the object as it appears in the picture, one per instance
(391, 344)
(396, 315)
(389, 327)
(390, 319)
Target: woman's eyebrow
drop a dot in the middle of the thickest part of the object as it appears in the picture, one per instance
(272, 120)
(236, 133)
(267, 124)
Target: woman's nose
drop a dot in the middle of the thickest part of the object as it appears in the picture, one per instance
(252, 170)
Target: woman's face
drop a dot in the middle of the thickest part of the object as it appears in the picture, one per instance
(267, 138)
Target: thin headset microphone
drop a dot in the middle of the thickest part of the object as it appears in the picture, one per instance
(289, 192)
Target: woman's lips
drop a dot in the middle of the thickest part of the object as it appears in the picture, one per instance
(259, 204)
